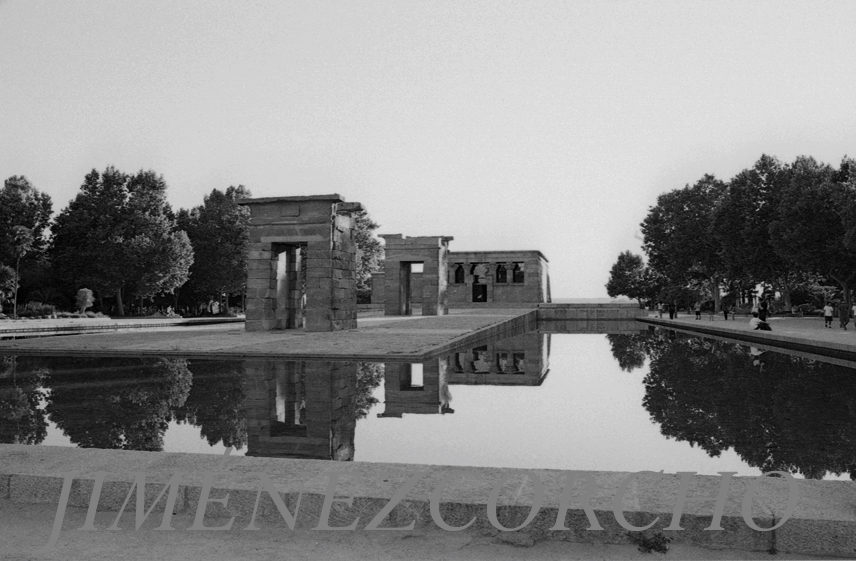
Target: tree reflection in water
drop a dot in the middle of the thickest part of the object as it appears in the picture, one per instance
(369, 377)
(122, 403)
(22, 421)
(777, 411)
(217, 402)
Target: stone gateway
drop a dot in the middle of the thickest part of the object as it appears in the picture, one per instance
(301, 266)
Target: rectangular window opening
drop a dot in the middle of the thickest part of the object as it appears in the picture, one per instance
(416, 373)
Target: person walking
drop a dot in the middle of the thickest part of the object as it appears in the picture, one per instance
(827, 315)
(725, 310)
(672, 310)
(843, 315)
(660, 309)
(697, 309)
(763, 308)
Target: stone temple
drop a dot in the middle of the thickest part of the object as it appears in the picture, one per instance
(301, 267)
(474, 279)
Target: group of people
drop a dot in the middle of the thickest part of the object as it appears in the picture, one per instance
(844, 313)
(762, 311)
(671, 307)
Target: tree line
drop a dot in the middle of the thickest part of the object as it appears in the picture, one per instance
(786, 226)
(120, 238)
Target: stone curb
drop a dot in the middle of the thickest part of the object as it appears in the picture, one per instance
(824, 522)
(100, 326)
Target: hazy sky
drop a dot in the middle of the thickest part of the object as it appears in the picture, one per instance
(508, 125)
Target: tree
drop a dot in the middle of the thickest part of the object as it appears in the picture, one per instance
(22, 240)
(8, 283)
(164, 259)
(21, 204)
(679, 235)
(119, 235)
(682, 296)
(627, 277)
(742, 226)
(84, 299)
(810, 229)
(218, 231)
(369, 255)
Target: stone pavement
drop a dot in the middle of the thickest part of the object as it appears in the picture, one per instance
(376, 338)
(797, 334)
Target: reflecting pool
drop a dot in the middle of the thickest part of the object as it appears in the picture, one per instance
(632, 401)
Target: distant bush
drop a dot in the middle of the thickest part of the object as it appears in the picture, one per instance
(36, 309)
(90, 314)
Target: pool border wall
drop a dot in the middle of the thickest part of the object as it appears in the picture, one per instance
(823, 524)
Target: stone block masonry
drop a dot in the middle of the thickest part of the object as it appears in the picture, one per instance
(302, 263)
(400, 254)
(471, 279)
(498, 278)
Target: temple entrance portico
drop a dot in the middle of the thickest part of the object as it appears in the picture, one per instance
(400, 255)
(301, 266)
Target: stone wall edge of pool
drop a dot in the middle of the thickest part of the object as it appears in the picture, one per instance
(824, 522)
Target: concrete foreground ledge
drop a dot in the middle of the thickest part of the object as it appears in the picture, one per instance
(824, 522)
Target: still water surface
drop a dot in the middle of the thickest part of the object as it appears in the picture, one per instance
(630, 402)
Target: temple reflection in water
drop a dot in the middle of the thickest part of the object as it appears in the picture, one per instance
(301, 409)
(308, 409)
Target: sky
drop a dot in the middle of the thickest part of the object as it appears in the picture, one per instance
(508, 125)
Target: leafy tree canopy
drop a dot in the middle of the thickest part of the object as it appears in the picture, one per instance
(678, 231)
(218, 230)
(369, 254)
(118, 234)
(811, 226)
(21, 204)
(627, 277)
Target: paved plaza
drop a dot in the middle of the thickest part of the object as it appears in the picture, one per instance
(376, 337)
